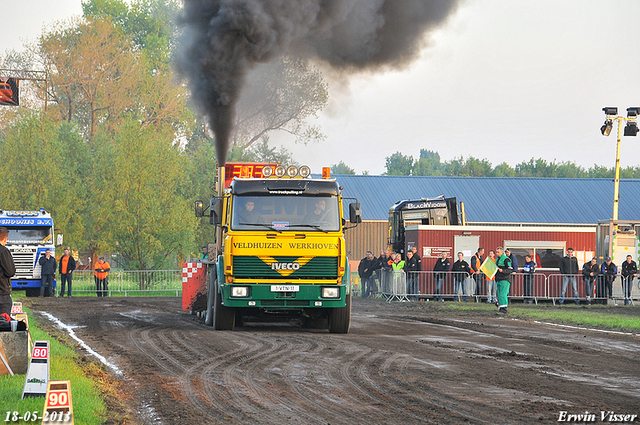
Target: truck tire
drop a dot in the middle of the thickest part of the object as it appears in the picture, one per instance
(340, 318)
(224, 318)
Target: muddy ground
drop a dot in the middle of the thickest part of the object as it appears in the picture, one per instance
(402, 363)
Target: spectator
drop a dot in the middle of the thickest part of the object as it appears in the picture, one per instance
(378, 262)
(461, 271)
(528, 270)
(66, 268)
(205, 253)
(101, 275)
(514, 261)
(365, 270)
(609, 271)
(442, 266)
(388, 260)
(629, 271)
(7, 270)
(502, 280)
(411, 268)
(48, 271)
(398, 263)
(536, 258)
(491, 282)
(589, 275)
(417, 257)
(569, 270)
(478, 276)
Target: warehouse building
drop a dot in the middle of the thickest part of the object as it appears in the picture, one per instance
(546, 215)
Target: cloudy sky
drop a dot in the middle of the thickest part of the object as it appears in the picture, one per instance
(503, 80)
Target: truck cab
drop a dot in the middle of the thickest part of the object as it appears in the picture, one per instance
(425, 211)
(282, 250)
(31, 233)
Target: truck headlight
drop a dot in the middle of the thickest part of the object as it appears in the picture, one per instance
(239, 291)
(330, 292)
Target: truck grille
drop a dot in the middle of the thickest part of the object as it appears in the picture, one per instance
(316, 268)
(24, 263)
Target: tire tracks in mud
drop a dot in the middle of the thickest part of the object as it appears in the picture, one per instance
(389, 369)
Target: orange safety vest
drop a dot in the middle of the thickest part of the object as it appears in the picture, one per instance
(65, 262)
(103, 266)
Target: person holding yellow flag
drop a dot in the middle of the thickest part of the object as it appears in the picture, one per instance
(502, 279)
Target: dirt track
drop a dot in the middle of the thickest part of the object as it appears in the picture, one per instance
(399, 364)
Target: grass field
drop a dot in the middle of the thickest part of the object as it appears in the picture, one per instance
(600, 317)
(88, 405)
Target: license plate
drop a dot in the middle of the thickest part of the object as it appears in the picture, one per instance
(285, 288)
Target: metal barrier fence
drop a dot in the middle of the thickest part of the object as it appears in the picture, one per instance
(401, 286)
(128, 283)
(392, 285)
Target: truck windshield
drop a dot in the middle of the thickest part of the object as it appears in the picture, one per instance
(29, 235)
(286, 213)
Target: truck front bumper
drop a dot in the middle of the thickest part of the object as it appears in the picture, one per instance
(28, 283)
(290, 296)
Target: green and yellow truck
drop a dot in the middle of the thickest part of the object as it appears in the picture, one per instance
(280, 249)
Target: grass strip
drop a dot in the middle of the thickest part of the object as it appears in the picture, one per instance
(88, 406)
(594, 316)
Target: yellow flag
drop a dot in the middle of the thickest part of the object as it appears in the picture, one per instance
(489, 268)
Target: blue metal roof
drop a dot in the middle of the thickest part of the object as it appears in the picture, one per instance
(500, 199)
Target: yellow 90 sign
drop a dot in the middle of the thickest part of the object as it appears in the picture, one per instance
(58, 407)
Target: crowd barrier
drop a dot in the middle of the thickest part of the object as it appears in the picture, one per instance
(401, 286)
(128, 283)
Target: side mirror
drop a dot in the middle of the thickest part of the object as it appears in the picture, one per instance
(216, 212)
(355, 212)
(199, 209)
(59, 239)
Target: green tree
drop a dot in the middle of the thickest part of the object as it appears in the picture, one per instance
(46, 167)
(281, 96)
(428, 164)
(151, 216)
(149, 23)
(399, 164)
(342, 168)
(503, 170)
(598, 172)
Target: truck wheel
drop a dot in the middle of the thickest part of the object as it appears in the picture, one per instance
(340, 318)
(224, 318)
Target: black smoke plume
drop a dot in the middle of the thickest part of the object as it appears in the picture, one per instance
(223, 40)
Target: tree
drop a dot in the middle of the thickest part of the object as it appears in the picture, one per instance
(151, 216)
(149, 24)
(503, 170)
(399, 164)
(342, 168)
(46, 167)
(428, 164)
(280, 96)
(93, 70)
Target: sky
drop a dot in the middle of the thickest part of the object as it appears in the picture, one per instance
(502, 80)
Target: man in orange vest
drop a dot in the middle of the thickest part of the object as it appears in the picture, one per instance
(66, 267)
(101, 275)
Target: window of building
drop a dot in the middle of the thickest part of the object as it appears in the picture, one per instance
(546, 254)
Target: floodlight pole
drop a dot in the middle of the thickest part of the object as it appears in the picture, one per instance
(616, 186)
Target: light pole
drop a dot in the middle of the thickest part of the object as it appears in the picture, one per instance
(631, 129)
